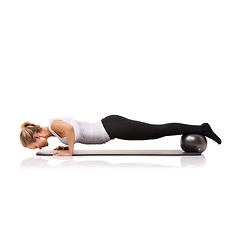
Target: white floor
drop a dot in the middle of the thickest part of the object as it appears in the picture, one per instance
(120, 197)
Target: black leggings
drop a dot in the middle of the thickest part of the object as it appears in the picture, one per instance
(123, 128)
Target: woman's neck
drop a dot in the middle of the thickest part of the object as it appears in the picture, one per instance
(46, 133)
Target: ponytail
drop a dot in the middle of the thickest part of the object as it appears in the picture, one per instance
(27, 132)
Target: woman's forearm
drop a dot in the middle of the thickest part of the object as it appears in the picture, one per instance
(70, 135)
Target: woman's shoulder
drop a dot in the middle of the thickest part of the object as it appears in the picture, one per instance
(57, 120)
(54, 125)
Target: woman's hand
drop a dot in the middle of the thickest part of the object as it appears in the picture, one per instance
(61, 148)
(62, 153)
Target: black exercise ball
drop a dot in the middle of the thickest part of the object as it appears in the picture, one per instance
(194, 143)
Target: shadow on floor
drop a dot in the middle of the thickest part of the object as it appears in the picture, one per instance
(74, 162)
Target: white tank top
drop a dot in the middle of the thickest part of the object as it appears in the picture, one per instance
(85, 132)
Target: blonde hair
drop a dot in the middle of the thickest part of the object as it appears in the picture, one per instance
(28, 130)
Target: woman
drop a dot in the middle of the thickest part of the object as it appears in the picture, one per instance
(70, 131)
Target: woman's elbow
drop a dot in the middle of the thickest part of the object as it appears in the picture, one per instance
(70, 129)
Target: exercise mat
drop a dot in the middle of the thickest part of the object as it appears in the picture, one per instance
(122, 153)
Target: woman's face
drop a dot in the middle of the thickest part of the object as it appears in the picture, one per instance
(39, 143)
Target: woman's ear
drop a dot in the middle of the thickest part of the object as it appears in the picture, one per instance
(40, 135)
(36, 135)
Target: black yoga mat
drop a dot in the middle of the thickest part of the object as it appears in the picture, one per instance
(122, 153)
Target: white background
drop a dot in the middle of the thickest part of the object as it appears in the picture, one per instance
(154, 61)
